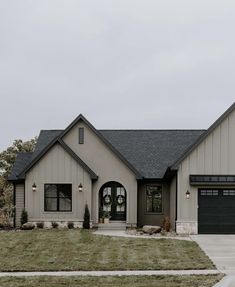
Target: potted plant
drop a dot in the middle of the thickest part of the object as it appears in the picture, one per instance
(101, 218)
(106, 216)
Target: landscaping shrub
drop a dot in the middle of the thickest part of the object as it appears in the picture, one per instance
(40, 224)
(166, 224)
(28, 226)
(86, 218)
(70, 225)
(24, 217)
(54, 224)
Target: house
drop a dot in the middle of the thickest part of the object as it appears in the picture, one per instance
(138, 176)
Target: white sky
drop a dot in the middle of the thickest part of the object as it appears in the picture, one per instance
(121, 63)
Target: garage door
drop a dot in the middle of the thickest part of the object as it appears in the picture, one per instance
(216, 211)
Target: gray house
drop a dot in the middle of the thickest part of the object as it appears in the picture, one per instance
(138, 176)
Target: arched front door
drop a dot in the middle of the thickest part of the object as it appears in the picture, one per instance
(113, 200)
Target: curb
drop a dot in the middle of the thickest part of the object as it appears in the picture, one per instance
(110, 273)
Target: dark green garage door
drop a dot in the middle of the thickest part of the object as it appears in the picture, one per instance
(216, 211)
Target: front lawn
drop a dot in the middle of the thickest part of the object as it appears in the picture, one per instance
(127, 281)
(50, 250)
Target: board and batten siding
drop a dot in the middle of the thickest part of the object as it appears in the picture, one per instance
(107, 165)
(57, 166)
(19, 203)
(215, 155)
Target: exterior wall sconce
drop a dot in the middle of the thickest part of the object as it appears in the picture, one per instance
(187, 194)
(80, 187)
(34, 187)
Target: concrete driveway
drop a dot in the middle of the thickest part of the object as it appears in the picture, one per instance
(220, 249)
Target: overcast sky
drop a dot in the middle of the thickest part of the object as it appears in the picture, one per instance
(122, 64)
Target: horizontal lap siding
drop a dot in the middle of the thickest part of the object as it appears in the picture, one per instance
(19, 197)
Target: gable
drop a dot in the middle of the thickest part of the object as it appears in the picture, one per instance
(214, 153)
(57, 165)
(81, 123)
(104, 160)
(47, 149)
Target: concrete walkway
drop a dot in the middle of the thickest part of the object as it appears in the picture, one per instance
(110, 273)
(227, 281)
(220, 249)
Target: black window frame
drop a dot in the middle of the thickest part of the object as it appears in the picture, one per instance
(58, 197)
(146, 199)
(81, 135)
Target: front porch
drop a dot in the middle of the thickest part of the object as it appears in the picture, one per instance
(113, 225)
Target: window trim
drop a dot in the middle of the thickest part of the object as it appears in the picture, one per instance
(145, 195)
(57, 198)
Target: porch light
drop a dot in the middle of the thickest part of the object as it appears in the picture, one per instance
(34, 187)
(187, 194)
(80, 187)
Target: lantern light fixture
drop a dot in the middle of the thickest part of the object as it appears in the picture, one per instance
(80, 187)
(34, 187)
(187, 194)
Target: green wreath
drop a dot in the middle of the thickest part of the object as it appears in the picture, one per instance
(107, 199)
(120, 200)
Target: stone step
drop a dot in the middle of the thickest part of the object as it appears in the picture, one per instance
(118, 225)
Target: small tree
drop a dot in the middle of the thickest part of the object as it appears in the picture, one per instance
(166, 224)
(24, 217)
(86, 218)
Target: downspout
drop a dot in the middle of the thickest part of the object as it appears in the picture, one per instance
(176, 199)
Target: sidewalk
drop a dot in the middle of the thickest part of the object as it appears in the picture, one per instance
(110, 273)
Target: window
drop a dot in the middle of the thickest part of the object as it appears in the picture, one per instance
(209, 192)
(81, 135)
(58, 197)
(154, 199)
(230, 192)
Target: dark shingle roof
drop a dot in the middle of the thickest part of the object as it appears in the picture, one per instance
(44, 138)
(21, 161)
(150, 152)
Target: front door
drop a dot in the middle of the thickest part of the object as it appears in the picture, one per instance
(113, 200)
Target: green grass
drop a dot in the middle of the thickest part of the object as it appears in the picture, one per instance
(110, 281)
(50, 250)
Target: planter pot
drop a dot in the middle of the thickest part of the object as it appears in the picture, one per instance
(101, 220)
(106, 220)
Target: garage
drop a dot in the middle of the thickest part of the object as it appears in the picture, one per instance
(216, 211)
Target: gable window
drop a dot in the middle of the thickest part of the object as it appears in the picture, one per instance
(81, 135)
(154, 199)
(58, 197)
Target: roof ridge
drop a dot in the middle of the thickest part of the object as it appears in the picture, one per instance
(152, 130)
